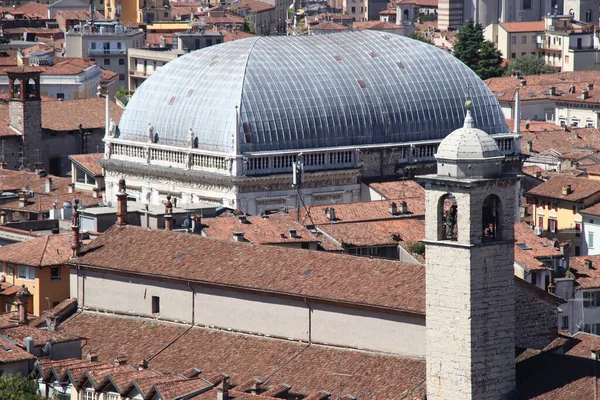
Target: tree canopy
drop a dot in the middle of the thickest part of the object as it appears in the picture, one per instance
(479, 54)
(529, 65)
(17, 387)
(420, 37)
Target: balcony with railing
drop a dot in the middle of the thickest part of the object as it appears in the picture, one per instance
(106, 52)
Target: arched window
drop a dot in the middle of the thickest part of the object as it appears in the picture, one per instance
(588, 16)
(447, 218)
(490, 218)
(31, 88)
(405, 12)
(16, 88)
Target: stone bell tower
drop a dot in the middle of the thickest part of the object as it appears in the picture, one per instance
(470, 283)
(25, 107)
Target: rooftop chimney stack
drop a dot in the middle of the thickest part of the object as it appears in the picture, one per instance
(404, 207)
(48, 186)
(293, 233)
(590, 86)
(196, 223)
(223, 390)
(120, 360)
(243, 219)
(552, 91)
(23, 296)
(92, 357)
(75, 240)
(122, 203)
(393, 208)
(23, 199)
(587, 263)
(584, 94)
(168, 214)
(566, 190)
(530, 146)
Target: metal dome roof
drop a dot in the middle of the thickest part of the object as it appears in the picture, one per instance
(344, 89)
(468, 143)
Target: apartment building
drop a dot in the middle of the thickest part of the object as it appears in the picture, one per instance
(107, 43)
(144, 62)
(138, 11)
(515, 39)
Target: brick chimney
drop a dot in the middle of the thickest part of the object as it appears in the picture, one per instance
(403, 207)
(23, 296)
(48, 186)
(168, 214)
(566, 190)
(23, 199)
(92, 356)
(75, 241)
(120, 360)
(122, 203)
(223, 389)
(393, 208)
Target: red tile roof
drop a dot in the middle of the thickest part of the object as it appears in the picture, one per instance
(362, 211)
(376, 233)
(329, 26)
(399, 189)
(40, 252)
(255, 6)
(12, 181)
(93, 108)
(44, 203)
(10, 353)
(294, 272)
(581, 188)
(39, 336)
(89, 162)
(306, 369)
(258, 230)
(580, 140)
(539, 247)
(587, 278)
(34, 10)
(523, 26)
(538, 87)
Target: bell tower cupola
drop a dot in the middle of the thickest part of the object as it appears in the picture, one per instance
(470, 301)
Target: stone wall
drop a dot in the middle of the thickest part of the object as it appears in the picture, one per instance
(536, 320)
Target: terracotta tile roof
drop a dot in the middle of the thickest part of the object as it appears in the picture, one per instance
(384, 26)
(377, 233)
(306, 369)
(89, 162)
(34, 10)
(40, 252)
(93, 108)
(39, 47)
(581, 188)
(576, 141)
(45, 203)
(580, 344)
(39, 336)
(122, 379)
(587, 278)
(60, 312)
(100, 372)
(78, 15)
(539, 247)
(538, 87)
(399, 189)
(294, 272)
(593, 210)
(535, 171)
(13, 181)
(10, 319)
(362, 211)
(387, 12)
(255, 6)
(230, 36)
(258, 230)
(53, 369)
(329, 26)
(10, 352)
(593, 169)
(179, 9)
(523, 26)
(174, 389)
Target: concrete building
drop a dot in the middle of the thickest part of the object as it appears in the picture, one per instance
(454, 13)
(107, 44)
(144, 62)
(516, 39)
(138, 11)
(570, 45)
(244, 161)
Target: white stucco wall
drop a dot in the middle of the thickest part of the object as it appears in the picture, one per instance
(392, 333)
(261, 313)
(591, 225)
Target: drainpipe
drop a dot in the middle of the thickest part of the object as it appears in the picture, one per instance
(309, 320)
(193, 304)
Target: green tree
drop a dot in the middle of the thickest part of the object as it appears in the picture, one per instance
(479, 54)
(490, 61)
(529, 65)
(420, 37)
(123, 96)
(17, 387)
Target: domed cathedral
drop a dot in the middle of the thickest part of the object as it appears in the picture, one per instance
(263, 123)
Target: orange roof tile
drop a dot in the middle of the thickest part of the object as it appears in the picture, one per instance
(258, 230)
(13, 181)
(294, 272)
(399, 189)
(376, 233)
(10, 352)
(329, 26)
(581, 188)
(34, 10)
(255, 6)
(587, 278)
(40, 252)
(89, 162)
(523, 26)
